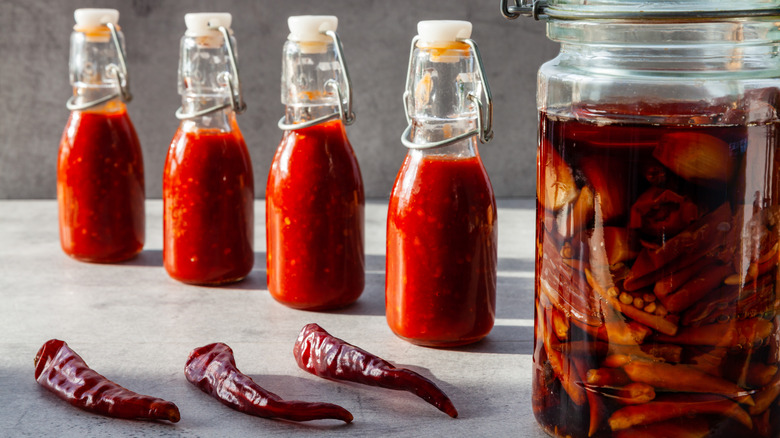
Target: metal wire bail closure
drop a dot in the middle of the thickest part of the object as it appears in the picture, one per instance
(121, 77)
(535, 9)
(236, 96)
(484, 110)
(345, 112)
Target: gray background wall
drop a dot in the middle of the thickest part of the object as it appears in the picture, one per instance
(34, 38)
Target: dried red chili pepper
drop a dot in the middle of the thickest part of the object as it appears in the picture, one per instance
(212, 368)
(323, 355)
(63, 372)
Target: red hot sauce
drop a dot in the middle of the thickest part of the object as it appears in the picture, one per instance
(208, 196)
(441, 251)
(314, 218)
(100, 186)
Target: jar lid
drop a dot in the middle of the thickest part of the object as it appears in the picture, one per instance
(639, 9)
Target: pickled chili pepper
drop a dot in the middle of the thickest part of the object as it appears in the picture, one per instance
(63, 372)
(321, 354)
(694, 427)
(684, 378)
(681, 406)
(212, 368)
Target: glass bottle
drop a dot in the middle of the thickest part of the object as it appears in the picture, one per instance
(100, 172)
(441, 221)
(657, 220)
(208, 189)
(314, 195)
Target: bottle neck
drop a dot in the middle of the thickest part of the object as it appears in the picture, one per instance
(222, 120)
(466, 148)
(309, 72)
(442, 77)
(86, 94)
(93, 64)
(305, 113)
(204, 69)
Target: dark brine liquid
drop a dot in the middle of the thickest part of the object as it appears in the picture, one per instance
(656, 280)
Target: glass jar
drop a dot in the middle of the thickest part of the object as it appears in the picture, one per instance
(442, 229)
(208, 187)
(100, 169)
(314, 196)
(658, 220)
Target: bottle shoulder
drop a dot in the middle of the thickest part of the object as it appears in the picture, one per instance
(327, 138)
(318, 156)
(101, 127)
(430, 177)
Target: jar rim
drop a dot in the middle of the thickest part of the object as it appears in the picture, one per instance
(643, 9)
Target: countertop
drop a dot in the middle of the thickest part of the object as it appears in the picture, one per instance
(135, 325)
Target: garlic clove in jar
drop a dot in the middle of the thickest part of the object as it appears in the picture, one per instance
(696, 157)
(557, 188)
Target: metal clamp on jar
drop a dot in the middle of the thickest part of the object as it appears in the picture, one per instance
(658, 219)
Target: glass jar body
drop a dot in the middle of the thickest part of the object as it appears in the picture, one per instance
(657, 198)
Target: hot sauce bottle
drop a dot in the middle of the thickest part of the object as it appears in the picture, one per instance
(441, 223)
(208, 189)
(100, 173)
(314, 196)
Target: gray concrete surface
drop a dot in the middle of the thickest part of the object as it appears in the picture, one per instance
(34, 38)
(135, 325)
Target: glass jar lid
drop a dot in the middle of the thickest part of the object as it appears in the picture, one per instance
(639, 9)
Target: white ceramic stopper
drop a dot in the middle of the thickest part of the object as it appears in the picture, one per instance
(91, 17)
(206, 23)
(309, 28)
(443, 31)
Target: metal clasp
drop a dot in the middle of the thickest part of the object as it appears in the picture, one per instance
(121, 77)
(345, 112)
(484, 110)
(534, 9)
(236, 96)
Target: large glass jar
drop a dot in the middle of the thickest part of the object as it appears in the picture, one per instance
(658, 220)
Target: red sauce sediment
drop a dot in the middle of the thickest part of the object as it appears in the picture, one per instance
(208, 194)
(441, 252)
(100, 187)
(314, 220)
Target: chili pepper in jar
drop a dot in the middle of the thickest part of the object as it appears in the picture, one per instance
(212, 368)
(323, 355)
(63, 372)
